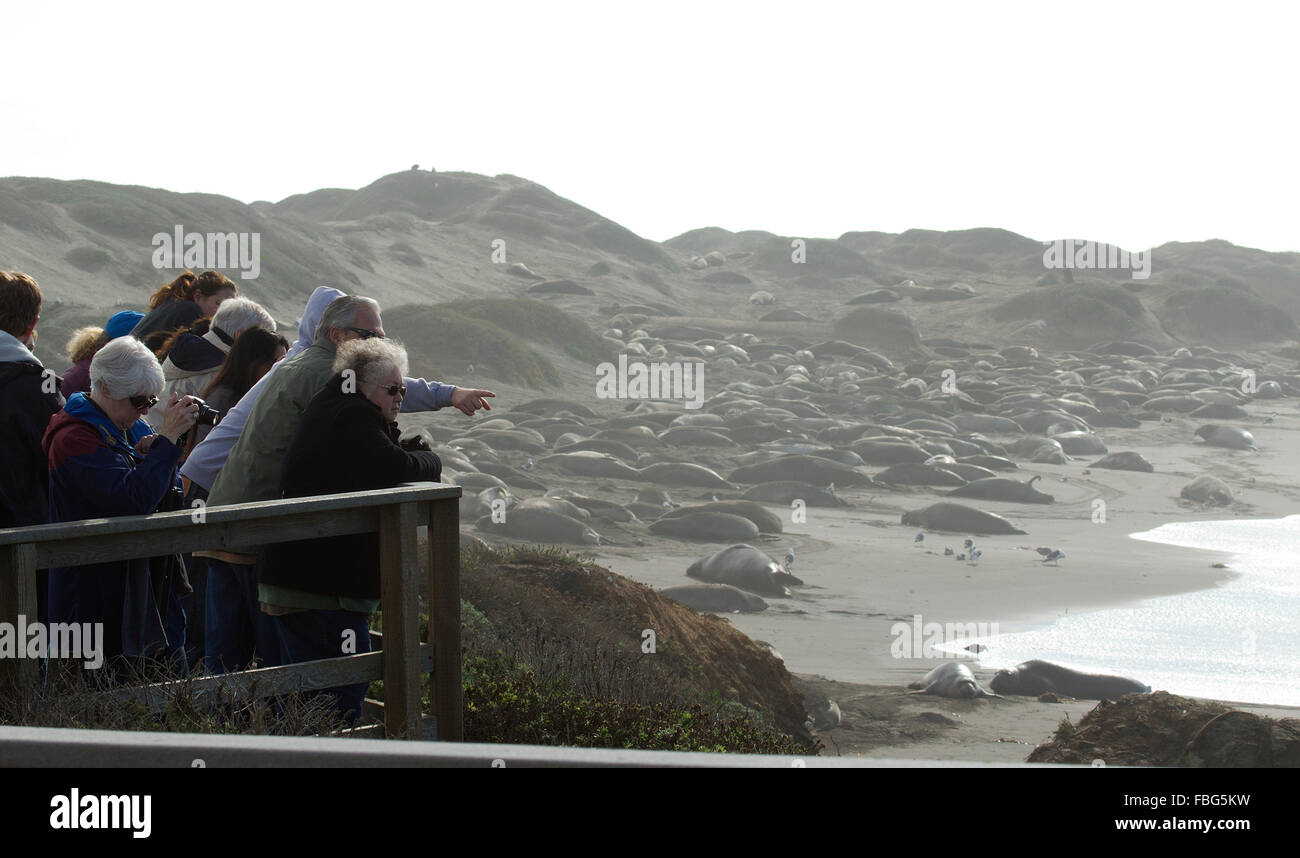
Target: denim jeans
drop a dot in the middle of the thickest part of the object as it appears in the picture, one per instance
(313, 635)
(236, 629)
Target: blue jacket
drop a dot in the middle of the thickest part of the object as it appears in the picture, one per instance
(94, 473)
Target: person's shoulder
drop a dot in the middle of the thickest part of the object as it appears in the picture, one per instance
(70, 437)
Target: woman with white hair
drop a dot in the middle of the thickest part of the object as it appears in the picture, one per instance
(191, 359)
(104, 460)
(319, 591)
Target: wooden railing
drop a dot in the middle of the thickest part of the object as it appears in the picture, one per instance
(395, 514)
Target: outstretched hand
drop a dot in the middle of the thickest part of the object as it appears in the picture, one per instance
(471, 399)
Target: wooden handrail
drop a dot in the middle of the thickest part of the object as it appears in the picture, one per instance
(393, 513)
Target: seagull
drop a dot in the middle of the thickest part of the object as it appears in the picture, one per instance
(1272, 418)
(969, 543)
(529, 466)
(975, 556)
(961, 556)
(715, 498)
(1163, 420)
(830, 489)
(1063, 478)
(789, 558)
(947, 551)
(668, 504)
(1052, 555)
(920, 537)
(1087, 471)
(469, 370)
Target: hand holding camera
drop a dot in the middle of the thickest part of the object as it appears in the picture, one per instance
(182, 413)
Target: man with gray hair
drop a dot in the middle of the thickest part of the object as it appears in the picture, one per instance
(236, 627)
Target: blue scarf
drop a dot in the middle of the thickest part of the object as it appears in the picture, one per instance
(82, 407)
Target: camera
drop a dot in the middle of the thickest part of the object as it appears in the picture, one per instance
(207, 415)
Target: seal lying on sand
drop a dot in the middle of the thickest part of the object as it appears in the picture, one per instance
(1128, 460)
(767, 522)
(722, 598)
(1035, 677)
(787, 492)
(953, 679)
(705, 524)
(1003, 489)
(1208, 490)
(1226, 436)
(959, 518)
(746, 567)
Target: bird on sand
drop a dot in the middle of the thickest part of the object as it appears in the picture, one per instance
(789, 558)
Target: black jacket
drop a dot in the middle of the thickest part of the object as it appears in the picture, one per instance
(343, 444)
(25, 411)
(153, 329)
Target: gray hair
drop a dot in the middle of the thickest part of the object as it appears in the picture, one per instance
(371, 359)
(125, 368)
(342, 313)
(236, 315)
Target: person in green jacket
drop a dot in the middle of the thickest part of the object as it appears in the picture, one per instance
(236, 627)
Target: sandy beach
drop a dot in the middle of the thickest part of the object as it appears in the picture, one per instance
(864, 573)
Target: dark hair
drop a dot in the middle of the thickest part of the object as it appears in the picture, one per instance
(187, 285)
(252, 347)
(162, 342)
(20, 303)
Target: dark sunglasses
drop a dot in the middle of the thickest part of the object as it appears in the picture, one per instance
(138, 402)
(365, 334)
(395, 390)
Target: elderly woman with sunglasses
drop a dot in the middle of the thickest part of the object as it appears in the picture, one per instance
(321, 592)
(105, 460)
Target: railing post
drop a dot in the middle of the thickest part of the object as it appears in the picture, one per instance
(399, 570)
(444, 617)
(18, 598)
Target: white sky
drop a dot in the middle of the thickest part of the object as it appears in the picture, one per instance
(1134, 123)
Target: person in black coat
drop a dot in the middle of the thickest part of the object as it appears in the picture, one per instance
(321, 592)
(181, 303)
(29, 397)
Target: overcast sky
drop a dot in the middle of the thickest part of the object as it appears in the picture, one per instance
(1133, 123)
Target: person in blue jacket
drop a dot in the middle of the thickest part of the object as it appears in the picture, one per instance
(104, 460)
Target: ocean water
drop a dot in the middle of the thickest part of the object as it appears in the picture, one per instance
(1238, 641)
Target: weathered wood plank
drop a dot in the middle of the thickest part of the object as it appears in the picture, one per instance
(18, 598)
(266, 681)
(398, 568)
(256, 511)
(444, 617)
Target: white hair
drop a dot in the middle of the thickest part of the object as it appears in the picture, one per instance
(371, 359)
(125, 368)
(236, 315)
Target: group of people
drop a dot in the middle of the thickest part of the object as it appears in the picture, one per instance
(116, 434)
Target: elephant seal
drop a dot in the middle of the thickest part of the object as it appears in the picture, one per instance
(1080, 444)
(788, 491)
(716, 598)
(1032, 678)
(1217, 435)
(556, 504)
(1003, 489)
(746, 567)
(953, 679)
(589, 463)
(813, 469)
(767, 522)
(713, 526)
(683, 474)
(993, 463)
(959, 518)
(1125, 461)
(1207, 490)
(913, 474)
(1220, 411)
(540, 525)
